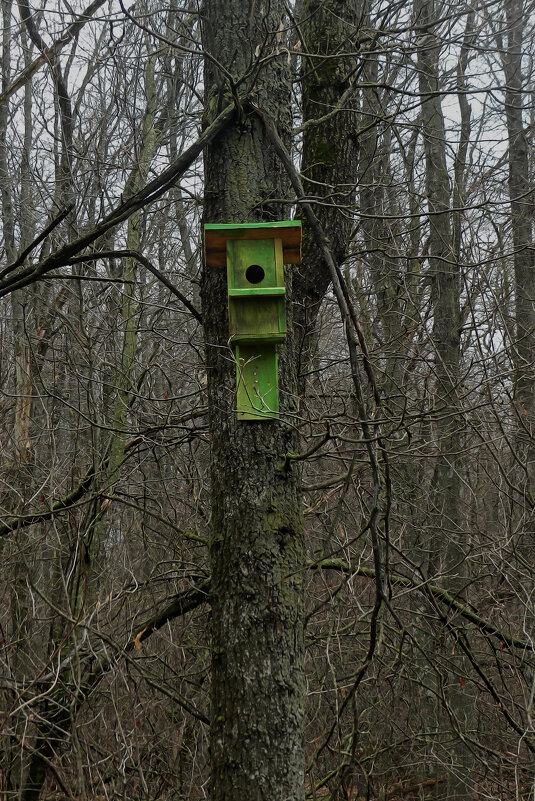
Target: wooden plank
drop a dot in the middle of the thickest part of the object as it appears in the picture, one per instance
(216, 237)
(268, 291)
(257, 396)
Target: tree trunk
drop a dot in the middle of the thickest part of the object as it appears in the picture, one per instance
(521, 203)
(256, 548)
(522, 219)
(330, 151)
(444, 553)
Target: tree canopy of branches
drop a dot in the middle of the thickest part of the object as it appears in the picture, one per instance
(337, 604)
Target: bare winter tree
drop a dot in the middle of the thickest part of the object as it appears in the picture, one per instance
(336, 604)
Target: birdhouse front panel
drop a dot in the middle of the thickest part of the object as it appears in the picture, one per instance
(255, 274)
(255, 264)
(256, 320)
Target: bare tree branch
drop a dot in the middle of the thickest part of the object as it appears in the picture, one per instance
(151, 192)
(49, 54)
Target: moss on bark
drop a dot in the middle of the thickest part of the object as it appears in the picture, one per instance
(256, 548)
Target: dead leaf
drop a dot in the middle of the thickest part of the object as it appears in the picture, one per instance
(137, 639)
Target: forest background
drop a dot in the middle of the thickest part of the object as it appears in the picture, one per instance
(338, 604)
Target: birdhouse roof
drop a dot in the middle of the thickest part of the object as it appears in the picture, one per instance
(216, 237)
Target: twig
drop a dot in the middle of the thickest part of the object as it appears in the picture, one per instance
(37, 241)
(134, 254)
(151, 192)
(50, 53)
(436, 592)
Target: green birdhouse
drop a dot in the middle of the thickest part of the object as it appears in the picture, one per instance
(254, 255)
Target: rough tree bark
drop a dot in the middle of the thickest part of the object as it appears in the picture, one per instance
(330, 147)
(443, 555)
(256, 545)
(522, 224)
(521, 204)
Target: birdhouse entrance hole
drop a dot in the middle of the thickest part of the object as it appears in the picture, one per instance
(255, 274)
